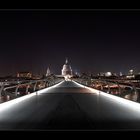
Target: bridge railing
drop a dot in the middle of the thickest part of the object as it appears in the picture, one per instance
(26, 87)
(130, 92)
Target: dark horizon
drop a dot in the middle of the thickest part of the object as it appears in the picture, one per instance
(93, 40)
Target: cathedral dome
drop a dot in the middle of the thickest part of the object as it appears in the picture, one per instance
(66, 67)
(66, 70)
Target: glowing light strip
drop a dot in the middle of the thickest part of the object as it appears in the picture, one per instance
(127, 103)
(46, 89)
(8, 104)
(91, 89)
(15, 101)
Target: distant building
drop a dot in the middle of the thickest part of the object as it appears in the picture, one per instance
(24, 75)
(101, 74)
(48, 72)
(66, 70)
(130, 76)
(107, 74)
(131, 72)
(121, 74)
(84, 76)
(36, 77)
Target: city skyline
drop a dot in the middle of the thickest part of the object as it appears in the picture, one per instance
(94, 41)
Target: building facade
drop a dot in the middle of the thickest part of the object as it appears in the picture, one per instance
(66, 70)
(48, 72)
(24, 75)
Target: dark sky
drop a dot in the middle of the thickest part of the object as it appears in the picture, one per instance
(94, 41)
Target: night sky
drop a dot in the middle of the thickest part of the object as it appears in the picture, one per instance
(94, 41)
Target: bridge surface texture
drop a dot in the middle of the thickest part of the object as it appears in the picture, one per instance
(70, 106)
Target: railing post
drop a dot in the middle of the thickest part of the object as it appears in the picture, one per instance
(45, 83)
(134, 88)
(108, 88)
(119, 88)
(35, 86)
(1, 89)
(48, 84)
(134, 94)
(86, 83)
(16, 89)
(101, 87)
(27, 88)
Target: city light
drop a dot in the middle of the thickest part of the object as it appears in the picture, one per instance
(108, 74)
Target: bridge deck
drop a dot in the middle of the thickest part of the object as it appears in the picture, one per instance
(70, 106)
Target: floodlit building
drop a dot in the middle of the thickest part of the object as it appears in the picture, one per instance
(107, 74)
(24, 75)
(48, 72)
(131, 72)
(67, 70)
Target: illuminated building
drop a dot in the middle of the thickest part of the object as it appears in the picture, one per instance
(107, 74)
(48, 72)
(121, 74)
(24, 75)
(66, 70)
(101, 74)
(131, 72)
